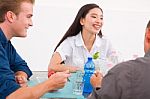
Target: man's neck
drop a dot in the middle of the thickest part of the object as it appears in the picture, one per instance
(6, 31)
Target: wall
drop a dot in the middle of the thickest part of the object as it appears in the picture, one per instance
(125, 22)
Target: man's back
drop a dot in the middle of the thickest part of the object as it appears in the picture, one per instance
(127, 80)
(133, 79)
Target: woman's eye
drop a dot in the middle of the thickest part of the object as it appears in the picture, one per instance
(93, 16)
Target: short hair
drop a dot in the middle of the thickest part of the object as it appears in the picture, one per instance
(11, 5)
(148, 24)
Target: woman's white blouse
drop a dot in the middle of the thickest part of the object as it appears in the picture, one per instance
(73, 51)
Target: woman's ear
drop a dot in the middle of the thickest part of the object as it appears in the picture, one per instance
(10, 16)
(82, 21)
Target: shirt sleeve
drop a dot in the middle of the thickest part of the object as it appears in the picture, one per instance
(109, 90)
(17, 63)
(112, 54)
(20, 65)
(65, 49)
(7, 78)
(110, 48)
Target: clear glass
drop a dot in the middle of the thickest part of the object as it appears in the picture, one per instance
(78, 83)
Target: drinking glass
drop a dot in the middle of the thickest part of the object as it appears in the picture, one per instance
(78, 83)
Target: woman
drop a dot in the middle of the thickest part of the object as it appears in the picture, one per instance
(82, 40)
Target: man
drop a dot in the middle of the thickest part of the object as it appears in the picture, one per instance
(15, 19)
(127, 80)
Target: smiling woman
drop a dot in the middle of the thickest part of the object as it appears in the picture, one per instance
(83, 38)
(123, 20)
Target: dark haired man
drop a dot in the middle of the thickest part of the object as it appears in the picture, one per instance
(127, 80)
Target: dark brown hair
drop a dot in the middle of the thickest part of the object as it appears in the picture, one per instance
(76, 27)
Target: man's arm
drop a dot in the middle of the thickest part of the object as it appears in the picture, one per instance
(55, 81)
(18, 64)
(109, 88)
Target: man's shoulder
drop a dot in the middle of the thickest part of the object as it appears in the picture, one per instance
(122, 66)
(132, 64)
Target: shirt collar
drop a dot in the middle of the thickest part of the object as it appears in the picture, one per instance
(79, 40)
(3, 38)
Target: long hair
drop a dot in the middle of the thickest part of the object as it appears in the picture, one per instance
(76, 27)
(148, 24)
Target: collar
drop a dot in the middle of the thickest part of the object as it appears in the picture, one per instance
(79, 40)
(3, 38)
(147, 54)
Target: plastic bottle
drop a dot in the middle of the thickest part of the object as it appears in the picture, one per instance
(89, 69)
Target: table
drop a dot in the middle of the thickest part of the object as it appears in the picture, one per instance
(64, 93)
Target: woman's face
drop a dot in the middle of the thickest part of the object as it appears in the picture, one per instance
(93, 21)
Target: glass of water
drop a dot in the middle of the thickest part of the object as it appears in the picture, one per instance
(78, 83)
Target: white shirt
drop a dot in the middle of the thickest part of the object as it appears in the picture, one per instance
(73, 51)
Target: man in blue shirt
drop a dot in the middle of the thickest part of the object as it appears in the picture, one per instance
(10, 63)
(15, 19)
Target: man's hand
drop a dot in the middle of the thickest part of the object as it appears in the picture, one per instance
(58, 80)
(96, 79)
(21, 78)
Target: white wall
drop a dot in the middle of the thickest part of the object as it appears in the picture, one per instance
(125, 22)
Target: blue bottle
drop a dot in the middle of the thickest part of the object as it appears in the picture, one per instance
(89, 69)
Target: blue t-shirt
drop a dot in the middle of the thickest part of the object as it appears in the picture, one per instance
(10, 62)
